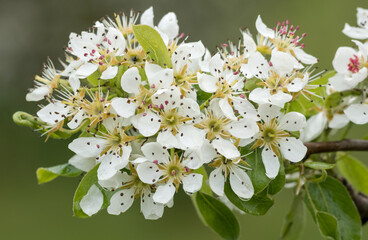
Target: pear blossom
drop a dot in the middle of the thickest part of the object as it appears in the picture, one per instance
(360, 32)
(283, 38)
(111, 148)
(351, 67)
(128, 188)
(44, 85)
(235, 169)
(227, 85)
(168, 26)
(274, 137)
(357, 113)
(167, 172)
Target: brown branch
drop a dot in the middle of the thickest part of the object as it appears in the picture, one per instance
(360, 200)
(343, 145)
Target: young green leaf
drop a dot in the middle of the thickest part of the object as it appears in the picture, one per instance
(93, 79)
(332, 197)
(318, 165)
(217, 216)
(153, 44)
(355, 172)
(294, 221)
(45, 175)
(327, 225)
(258, 205)
(205, 188)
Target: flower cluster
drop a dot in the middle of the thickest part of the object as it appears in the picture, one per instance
(149, 126)
(348, 87)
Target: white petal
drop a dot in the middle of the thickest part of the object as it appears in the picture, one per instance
(355, 32)
(339, 82)
(260, 95)
(74, 82)
(169, 25)
(77, 119)
(192, 183)
(338, 121)
(304, 57)
(241, 184)
(109, 73)
(124, 107)
(149, 172)
(263, 29)
(292, 149)
(121, 201)
(116, 41)
(88, 146)
(357, 113)
(147, 123)
(53, 112)
(111, 164)
(164, 193)
(297, 84)
(216, 65)
(258, 65)
(82, 163)
(162, 79)
(217, 181)
(192, 159)
(149, 208)
(245, 108)
(315, 126)
(92, 202)
(155, 151)
(168, 140)
(282, 62)
(147, 17)
(189, 108)
(292, 121)
(250, 46)
(38, 93)
(167, 98)
(226, 148)
(271, 162)
(116, 181)
(86, 69)
(342, 59)
(190, 136)
(268, 111)
(280, 98)
(227, 109)
(131, 80)
(207, 82)
(244, 128)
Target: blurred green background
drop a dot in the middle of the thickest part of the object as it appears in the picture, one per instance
(31, 30)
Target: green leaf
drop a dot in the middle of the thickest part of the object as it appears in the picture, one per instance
(258, 173)
(45, 175)
(205, 188)
(327, 225)
(153, 44)
(277, 184)
(85, 184)
(332, 197)
(355, 172)
(94, 78)
(217, 216)
(318, 165)
(258, 205)
(294, 221)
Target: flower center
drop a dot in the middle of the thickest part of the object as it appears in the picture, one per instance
(354, 64)
(269, 135)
